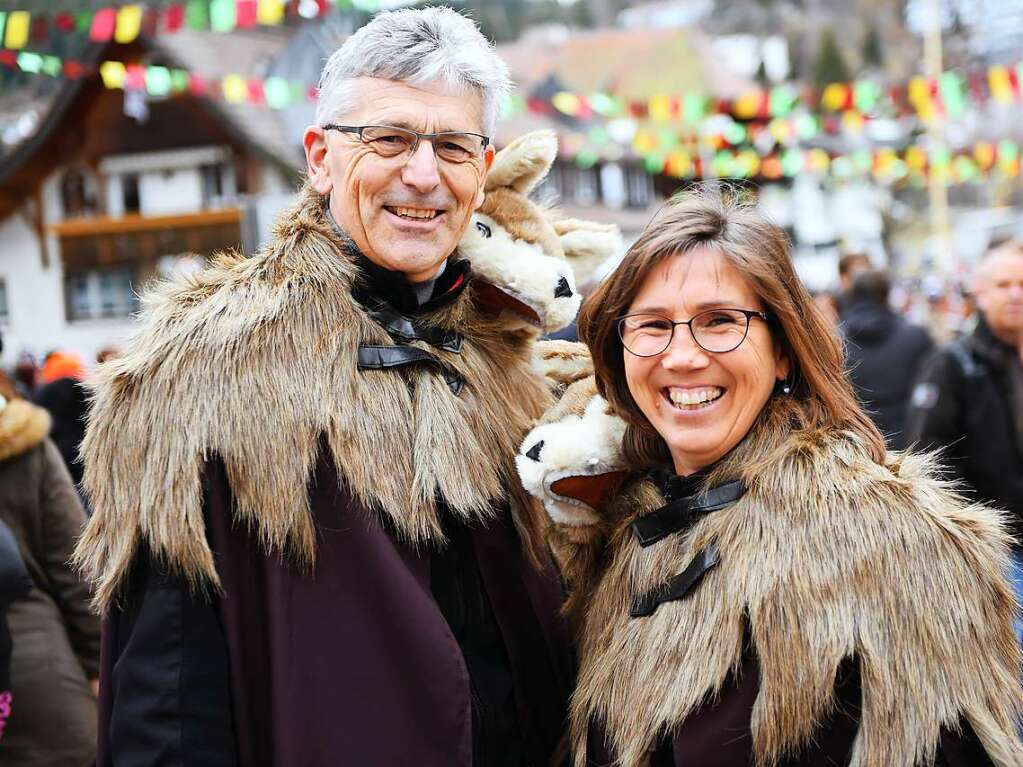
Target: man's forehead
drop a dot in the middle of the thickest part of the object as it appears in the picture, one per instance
(1002, 264)
(432, 106)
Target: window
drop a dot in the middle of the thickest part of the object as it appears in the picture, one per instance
(212, 184)
(130, 192)
(99, 293)
(586, 187)
(639, 187)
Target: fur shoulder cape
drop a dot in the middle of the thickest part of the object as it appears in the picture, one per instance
(22, 427)
(255, 361)
(828, 555)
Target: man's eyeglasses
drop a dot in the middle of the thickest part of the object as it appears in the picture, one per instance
(388, 141)
(717, 330)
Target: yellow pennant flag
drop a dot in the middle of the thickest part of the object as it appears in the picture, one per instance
(112, 73)
(129, 22)
(659, 108)
(1001, 86)
(236, 90)
(16, 34)
(270, 12)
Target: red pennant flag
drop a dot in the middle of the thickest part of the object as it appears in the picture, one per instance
(324, 7)
(978, 86)
(134, 77)
(256, 95)
(312, 94)
(1014, 82)
(40, 29)
(196, 85)
(65, 22)
(8, 57)
(246, 13)
(73, 69)
(150, 22)
(173, 17)
(103, 23)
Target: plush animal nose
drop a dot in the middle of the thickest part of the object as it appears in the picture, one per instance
(563, 289)
(533, 453)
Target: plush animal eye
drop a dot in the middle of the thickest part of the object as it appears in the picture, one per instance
(484, 229)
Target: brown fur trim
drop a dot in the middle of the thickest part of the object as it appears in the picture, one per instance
(254, 360)
(828, 556)
(22, 427)
(563, 363)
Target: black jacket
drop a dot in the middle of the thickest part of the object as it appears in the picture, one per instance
(962, 403)
(884, 353)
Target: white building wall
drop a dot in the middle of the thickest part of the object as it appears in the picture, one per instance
(170, 191)
(37, 320)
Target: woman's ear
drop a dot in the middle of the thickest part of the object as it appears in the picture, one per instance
(782, 365)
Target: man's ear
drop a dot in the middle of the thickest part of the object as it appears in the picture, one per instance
(488, 161)
(315, 143)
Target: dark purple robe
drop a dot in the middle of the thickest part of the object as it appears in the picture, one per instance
(353, 663)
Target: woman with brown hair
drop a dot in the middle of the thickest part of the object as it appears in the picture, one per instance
(755, 580)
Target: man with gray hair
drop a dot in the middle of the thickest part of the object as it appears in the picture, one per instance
(308, 543)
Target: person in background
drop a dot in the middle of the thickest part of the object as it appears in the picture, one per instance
(968, 399)
(54, 634)
(849, 265)
(62, 394)
(883, 353)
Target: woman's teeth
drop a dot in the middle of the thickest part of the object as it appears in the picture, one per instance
(694, 398)
(417, 213)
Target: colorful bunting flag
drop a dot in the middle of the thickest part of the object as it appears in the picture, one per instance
(16, 29)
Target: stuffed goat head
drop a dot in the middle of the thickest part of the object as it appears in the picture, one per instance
(520, 253)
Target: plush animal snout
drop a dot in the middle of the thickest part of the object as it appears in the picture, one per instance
(533, 453)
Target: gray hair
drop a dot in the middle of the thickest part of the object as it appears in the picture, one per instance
(416, 46)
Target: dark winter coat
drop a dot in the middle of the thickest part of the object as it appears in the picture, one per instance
(968, 401)
(54, 633)
(320, 556)
(66, 401)
(883, 354)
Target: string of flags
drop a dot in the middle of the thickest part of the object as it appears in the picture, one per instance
(722, 153)
(124, 23)
(948, 96)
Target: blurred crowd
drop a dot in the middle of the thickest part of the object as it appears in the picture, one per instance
(49, 635)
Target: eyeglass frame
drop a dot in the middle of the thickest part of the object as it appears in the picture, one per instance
(748, 313)
(431, 137)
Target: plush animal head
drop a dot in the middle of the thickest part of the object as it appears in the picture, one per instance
(520, 250)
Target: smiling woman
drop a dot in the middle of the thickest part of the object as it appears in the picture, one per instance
(754, 579)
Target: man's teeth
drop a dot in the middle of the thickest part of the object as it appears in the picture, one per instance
(694, 396)
(414, 212)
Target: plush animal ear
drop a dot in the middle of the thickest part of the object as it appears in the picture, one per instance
(587, 245)
(524, 162)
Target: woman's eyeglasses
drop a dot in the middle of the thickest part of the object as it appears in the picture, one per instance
(716, 330)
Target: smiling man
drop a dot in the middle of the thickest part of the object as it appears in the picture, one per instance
(307, 541)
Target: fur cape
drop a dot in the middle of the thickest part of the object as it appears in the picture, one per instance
(828, 555)
(254, 361)
(22, 427)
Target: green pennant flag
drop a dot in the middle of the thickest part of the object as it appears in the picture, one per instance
(223, 15)
(197, 14)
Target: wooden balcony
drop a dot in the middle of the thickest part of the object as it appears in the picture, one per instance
(87, 243)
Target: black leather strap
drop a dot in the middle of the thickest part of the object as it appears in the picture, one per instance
(678, 515)
(403, 328)
(679, 586)
(390, 357)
